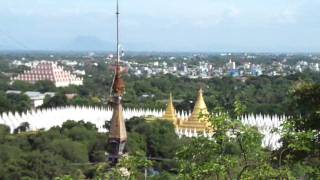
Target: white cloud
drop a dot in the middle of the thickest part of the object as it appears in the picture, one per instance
(288, 15)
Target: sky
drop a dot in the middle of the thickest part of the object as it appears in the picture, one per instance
(162, 25)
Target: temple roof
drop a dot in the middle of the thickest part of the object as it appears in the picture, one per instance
(118, 128)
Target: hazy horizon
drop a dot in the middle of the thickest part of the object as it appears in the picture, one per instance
(162, 26)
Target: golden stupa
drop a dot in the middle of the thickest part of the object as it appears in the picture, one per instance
(198, 120)
(170, 111)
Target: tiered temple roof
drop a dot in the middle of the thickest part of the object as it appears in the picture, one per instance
(198, 121)
(117, 134)
(118, 128)
(49, 71)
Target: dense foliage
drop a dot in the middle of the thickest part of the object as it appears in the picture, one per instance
(76, 148)
(14, 102)
(47, 154)
(301, 133)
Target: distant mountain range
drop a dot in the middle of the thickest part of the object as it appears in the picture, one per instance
(93, 43)
(85, 43)
(79, 43)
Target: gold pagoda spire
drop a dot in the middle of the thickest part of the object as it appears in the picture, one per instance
(170, 113)
(200, 108)
(196, 121)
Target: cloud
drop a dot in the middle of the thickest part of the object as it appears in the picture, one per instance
(289, 14)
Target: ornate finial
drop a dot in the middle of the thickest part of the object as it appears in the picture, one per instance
(200, 92)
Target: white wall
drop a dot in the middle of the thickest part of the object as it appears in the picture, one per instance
(47, 118)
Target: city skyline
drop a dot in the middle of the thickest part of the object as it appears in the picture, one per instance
(205, 26)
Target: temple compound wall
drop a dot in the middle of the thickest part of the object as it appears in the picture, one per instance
(47, 118)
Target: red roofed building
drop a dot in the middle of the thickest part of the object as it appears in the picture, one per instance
(49, 71)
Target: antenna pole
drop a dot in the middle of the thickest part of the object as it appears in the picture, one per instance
(118, 51)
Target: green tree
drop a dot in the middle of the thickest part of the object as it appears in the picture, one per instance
(23, 127)
(301, 133)
(22, 86)
(4, 131)
(22, 103)
(5, 104)
(55, 101)
(72, 151)
(234, 152)
(45, 86)
(129, 167)
(160, 137)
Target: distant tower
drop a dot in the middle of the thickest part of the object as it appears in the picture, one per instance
(118, 133)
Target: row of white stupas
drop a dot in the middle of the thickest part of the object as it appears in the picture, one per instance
(267, 125)
(47, 118)
(46, 70)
